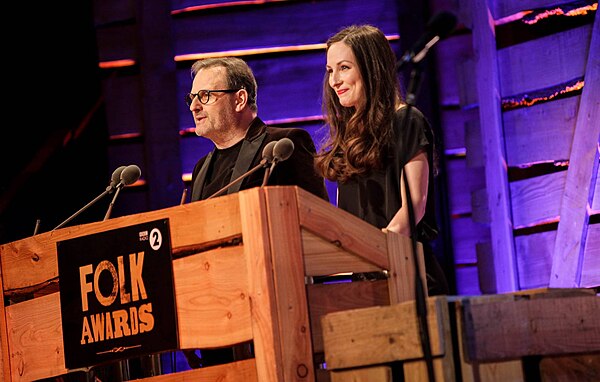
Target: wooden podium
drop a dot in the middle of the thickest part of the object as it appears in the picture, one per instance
(242, 271)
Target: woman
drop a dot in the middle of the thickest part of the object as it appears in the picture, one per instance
(370, 145)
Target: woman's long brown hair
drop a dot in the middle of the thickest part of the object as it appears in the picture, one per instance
(358, 139)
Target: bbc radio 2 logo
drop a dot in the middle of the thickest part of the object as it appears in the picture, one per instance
(154, 237)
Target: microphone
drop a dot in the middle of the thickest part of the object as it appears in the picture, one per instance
(281, 151)
(116, 176)
(267, 157)
(129, 175)
(268, 154)
(438, 27)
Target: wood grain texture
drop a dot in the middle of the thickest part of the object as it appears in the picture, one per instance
(322, 258)
(590, 273)
(537, 200)
(375, 335)
(476, 371)
(541, 133)
(212, 298)
(263, 304)
(543, 62)
(33, 260)
(568, 253)
(541, 326)
(230, 372)
(402, 275)
(328, 298)
(498, 193)
(581, 368)
(534, 256)
(377, 373)
(291, 300)
(347, 231)
(35, 339)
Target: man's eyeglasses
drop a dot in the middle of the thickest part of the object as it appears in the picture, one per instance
(204, 95)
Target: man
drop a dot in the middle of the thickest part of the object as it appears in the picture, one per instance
(223, 104)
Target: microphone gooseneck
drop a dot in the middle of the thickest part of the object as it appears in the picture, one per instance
(282, 151)
(129, 175)
(438, 28)
(115, 183)
(267, 157)
(267, 153)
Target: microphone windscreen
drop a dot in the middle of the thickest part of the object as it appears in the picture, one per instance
(116, 176)
(442, 24)
(283, 149)
(268, 151)
(130, 174)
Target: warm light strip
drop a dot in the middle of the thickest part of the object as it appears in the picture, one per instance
(117, 137)
(510, 18)
(286, 121)
(510, 103)
(581, 11)
(549, 220)
(116, 64)
(560, 12)
(257, 51)
(138, 183)
(273, 122)
(248, 52)
(457, 152)
(224, 5)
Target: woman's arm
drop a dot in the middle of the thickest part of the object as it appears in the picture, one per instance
(417, 171)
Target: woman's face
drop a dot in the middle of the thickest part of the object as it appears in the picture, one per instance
(344, 76)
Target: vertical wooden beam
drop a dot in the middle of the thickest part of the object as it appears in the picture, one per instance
(569, 247)
(5, 352)
(401, 281)
(257, 251)
(492, 139)
(288, 278)
(162, 169)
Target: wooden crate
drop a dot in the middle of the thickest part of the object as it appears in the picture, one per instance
(552, 333)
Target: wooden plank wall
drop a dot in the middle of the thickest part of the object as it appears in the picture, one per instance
(542, 77)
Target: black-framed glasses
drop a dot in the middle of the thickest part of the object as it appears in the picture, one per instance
(204, 95)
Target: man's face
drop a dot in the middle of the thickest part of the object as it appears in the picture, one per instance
(215, 118)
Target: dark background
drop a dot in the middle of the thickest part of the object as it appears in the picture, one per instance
(53, 155)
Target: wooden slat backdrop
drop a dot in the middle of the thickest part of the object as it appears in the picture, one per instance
(570, 244)
(502, 9)
(541, 133)
(538, 64)
(272, 24)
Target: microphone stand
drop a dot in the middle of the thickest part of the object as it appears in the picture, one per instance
(108, 190)
(240, 178)
(267, 175)
(112, 203)
(420, 299)
(269, 171)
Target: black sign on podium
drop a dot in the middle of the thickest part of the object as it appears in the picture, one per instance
(117, 296)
